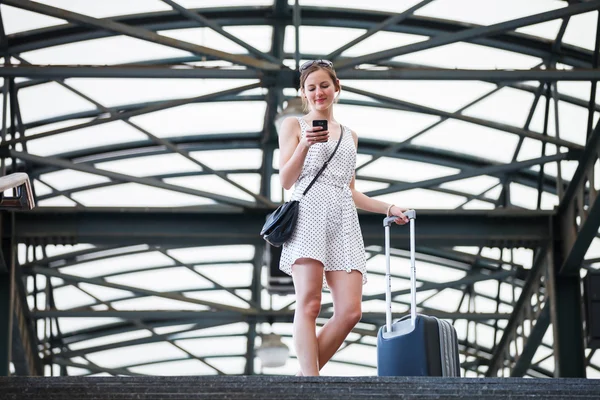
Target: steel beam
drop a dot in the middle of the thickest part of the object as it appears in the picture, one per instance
(313, 16)
(508, 228)
(230, 317)
(540, 265)
(64, 164)
(139, 33)
(534, 340)
(469, 34)
(394, 19)
(217, 28)
(134, 113)
(579, 210)
(416, 73)
(7, 289)
(492, 170)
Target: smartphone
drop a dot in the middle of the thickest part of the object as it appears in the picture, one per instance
(320, 122)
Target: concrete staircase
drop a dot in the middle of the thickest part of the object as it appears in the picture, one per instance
(285, 387)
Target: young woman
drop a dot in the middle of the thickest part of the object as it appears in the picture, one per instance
(326, 247)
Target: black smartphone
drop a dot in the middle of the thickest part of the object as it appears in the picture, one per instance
(320, 122)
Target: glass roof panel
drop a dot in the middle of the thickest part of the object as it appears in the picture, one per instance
(487, 12)
(474, 185)
(423, 199)
(108, 8)
(469, 56)
(525, 196)
(17, 20)
(210, 183)
(103, 51)
(546, 30)
(60, 201)
(509, 106)
(256, 36)
(378, 5)
(71, 297)
(581, 30)
(153, 302)
(69, 324)
(364, 185)
(405, 170)
(85, 138)
(162, 280)
(530, 149)
(249, 181)
(137, 354)
(572, 120)
(207, 118)
(108, 339)
(47, 127)
(464, 137)
(137, 195)
(381, 123)
(478, 205)
(382, 41)
(442, 95)
(114, 92)
(105, 293)
(311, 38)
(190, 255)
(161, 164)
(229, 159)
(40, 188)
(228, 274)
(48, 100)
(68, 179)
(122, 263)
(219, 3)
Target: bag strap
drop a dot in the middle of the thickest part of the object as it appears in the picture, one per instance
(326, 163)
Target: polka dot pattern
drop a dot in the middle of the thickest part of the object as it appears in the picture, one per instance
(327, 229)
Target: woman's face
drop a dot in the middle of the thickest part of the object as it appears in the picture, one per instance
(319, 90)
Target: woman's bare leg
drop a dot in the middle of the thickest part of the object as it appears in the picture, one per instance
(346, 289)
(308, 282)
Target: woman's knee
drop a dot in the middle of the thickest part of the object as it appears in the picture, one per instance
(350, 315)
(309, 306)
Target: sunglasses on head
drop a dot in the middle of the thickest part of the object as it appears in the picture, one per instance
(322, 63)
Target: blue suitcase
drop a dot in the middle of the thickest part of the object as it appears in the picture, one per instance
(415, 345)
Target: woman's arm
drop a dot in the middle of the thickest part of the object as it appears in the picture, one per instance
(293, 150)
(291, 155)
(366, 203)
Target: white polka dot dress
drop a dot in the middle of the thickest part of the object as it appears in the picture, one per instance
(327, 229)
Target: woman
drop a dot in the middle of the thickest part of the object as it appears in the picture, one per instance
(326, 247)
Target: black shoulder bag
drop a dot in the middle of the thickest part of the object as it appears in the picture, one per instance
(280, 223)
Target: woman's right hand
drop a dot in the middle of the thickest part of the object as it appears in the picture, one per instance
(313, 135)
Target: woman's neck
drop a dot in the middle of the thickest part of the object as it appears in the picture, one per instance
(325, 114)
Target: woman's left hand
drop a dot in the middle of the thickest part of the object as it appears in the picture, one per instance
(399, 212)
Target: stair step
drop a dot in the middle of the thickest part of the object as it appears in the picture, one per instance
(286, 387)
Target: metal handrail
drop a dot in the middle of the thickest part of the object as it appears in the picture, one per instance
(24, 199)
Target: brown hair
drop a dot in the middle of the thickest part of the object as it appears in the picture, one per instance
(315, 67)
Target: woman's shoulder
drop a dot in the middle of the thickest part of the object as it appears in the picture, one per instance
(290, 127)
(291, 123)
(354, 134)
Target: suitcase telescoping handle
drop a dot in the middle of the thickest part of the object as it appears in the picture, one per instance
(412, 215)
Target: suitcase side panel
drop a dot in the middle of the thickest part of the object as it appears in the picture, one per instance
(403, 355)
(432, 345)
(449, 349)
